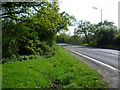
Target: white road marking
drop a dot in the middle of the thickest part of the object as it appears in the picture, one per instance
(92, 59)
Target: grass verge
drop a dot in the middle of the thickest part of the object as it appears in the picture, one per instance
(61, 71)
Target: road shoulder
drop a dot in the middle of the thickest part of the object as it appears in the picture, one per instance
(108, 74)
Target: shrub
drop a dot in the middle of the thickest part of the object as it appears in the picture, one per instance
(19, 58)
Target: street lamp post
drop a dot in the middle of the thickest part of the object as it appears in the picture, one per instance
(100, 12)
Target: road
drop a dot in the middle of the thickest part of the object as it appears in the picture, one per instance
(107, 56)
(104, 61)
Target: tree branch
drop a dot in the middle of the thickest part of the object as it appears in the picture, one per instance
(16, 12)
(12, 18)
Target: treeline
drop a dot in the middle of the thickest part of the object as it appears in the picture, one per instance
(104, 34)
(64, 38)
(30, 28)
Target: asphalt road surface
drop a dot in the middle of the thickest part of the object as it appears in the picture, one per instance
(106, 56)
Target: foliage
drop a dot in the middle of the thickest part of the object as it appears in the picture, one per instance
(65, 71)
(19, 58)
(31, 27)
(117, 38)
(105, 36)
(106, 33)
(75, 40)
(10, 35)
(84, 28)
(62, 38)
(98, 35)
(16, 10)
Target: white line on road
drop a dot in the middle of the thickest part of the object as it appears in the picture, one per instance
(95, 60)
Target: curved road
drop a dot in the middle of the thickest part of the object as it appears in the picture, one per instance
(106, 56)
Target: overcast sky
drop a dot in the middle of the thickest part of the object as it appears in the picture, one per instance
(82, 10)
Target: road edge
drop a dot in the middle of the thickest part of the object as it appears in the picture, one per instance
(107, 76)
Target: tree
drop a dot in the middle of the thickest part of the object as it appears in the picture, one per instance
(62, 38)
(101, 34)
(117, 38)
(10, 35)
(84, 28)
(31, 32)
(105, 33)
(75, 40)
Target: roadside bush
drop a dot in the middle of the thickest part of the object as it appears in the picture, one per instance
(19, 58)
(10, 33)
(33, 32)
(63, 38)
(7, 60)
(36, 47)
(106, 36)
(76, 40)
(117, 39)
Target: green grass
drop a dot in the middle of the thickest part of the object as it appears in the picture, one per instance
(61, 71)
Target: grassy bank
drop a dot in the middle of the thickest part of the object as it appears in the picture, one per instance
(60, 71)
